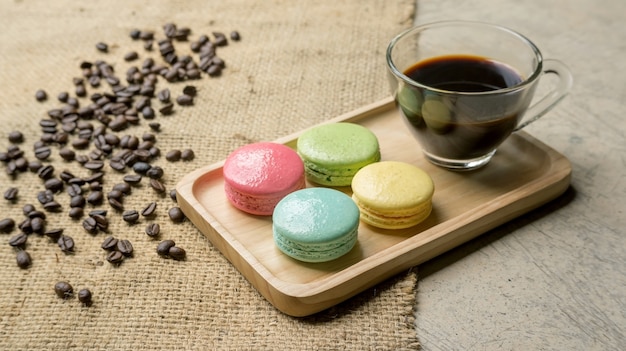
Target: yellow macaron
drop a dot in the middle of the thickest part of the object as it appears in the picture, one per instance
(393, 194)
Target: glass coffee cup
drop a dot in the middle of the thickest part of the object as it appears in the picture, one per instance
(463, 87)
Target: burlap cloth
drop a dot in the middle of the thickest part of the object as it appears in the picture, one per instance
(297, 64)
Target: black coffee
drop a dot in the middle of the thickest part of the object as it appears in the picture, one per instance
(462, 126)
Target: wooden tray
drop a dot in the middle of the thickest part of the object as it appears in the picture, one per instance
(523, 174)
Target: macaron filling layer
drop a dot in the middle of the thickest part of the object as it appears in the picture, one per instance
(315, 224)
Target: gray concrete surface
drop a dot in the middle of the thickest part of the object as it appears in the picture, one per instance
(554, 279)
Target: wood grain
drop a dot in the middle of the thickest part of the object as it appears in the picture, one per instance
(523, 175)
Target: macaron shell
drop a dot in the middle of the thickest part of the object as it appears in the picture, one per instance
(392, 194)
(257, 176)
(333, 153)
(315, 224)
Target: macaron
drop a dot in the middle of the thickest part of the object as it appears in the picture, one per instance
(393, 194)
(315, 224)
(333, 153)
(257, 176)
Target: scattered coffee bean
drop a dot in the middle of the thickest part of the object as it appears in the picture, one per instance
(164, 246)
(94, 165)
(124, 188)
(43, 152)
(167, 109)
(76, 212)
(116, 204)
(125, 247)
(34, 166)
(132, 179)
(66, 243)
(190, 90)
(164, 95)
(173, 194)
(102, 223)
(63, 96)
(54, 234)
(234, 35)
(149, 210)
(11, 194)
(16, 137)
(115, 257)
(153, 229)
(45, 196)
(7, 225)
(176, 214)
(98, 212)
(130, 216)
(102, 47)
(37, 225)
(77, 201)
(67, 154)
(131, 56)
(155, 172)
(63, 290)
(45, 172)
(25, 227)
(41, 95)
(23, 259)
(154, 126)
(54, 185)
(115, 194)
(173, 155)
(95, 197)
(187, 155)
(28, 208)
(157, 186)
(90, 225)
(184, 100)
(109, 243)
(18, 240)
(84, 296)
(141, 167)
(36, 214)
(177, 253)
(52, 206)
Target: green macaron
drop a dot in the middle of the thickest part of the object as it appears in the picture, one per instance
(315, 224)
(333, 153)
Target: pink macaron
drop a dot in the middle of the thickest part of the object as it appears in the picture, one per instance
(257, 176)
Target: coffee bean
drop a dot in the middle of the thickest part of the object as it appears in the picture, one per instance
(23, 259)
(149, 210)
(28, 208)
(155, 126)
(115, 194)
(43, 152)
(95, 197)
(66, 243)
(45, 196)
(184, 100)
(187, 155)
(132, 179)
(115, 257)
(117, 165)
(37, 224)
(41, 95)
(147, 112)
(66, 176)
(54, 234)
(36, 214)
(124, 188)
(74, 189)
(141, 167)
(164, 247)
(125, 247)
(98, 212)
(63, 290)
(84, 296)
(176, 214)
(177, 253)
(45, 172)
(173, 194)
(34, 166)
(155, 172)
(11, 194)
(18, 240)
(116, 204)
(54, 185)
(25, 227)
(109, 243)
(153, 229)
(90, 225)
(94, 177)
(94, 165)
(103, 47)
(164, 95)
(67, 154)
(7, 225)
(234, 35)
(167, 109)
(157, 186)
(131, 56)
(130, 216)
(190, 90)
(16, 137)
(173, 155)
(102, 223)
(76, 212)
(77, 201)
(52, 206)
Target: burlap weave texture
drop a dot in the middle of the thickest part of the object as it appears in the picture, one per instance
(297, 64)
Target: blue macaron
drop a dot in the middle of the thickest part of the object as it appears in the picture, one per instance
(316, 224)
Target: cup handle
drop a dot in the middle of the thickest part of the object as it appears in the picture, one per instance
(544, 105)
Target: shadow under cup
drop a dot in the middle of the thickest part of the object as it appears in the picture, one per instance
(463, 88)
